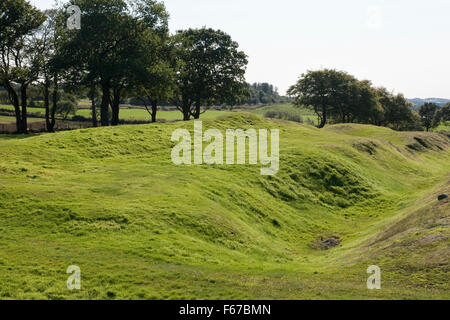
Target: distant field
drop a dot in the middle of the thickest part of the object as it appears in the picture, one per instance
(142, 114)
(7, 120)
(31, 110)
(134, 114)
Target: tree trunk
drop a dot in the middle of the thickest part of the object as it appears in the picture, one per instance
(197, 111)
(47, 104)
(186, 113)
(104, 112)
(93, 108)
(15, 102)
(154, 110)
(115, 107)
(324, 118)
(23, 96)
(54, 104)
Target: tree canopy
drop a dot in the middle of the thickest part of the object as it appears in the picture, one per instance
(113, 45)
(19, 63)
(210, 69)
(338, 97)
(427, 114)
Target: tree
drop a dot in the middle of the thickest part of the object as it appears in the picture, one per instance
(397, 112)
(353, 100)
(93, 95)
(210, 70)
(90, 51)
(443, 115)
(427, 113)
(19, 63)
(257, 95)
(157, 87)
(46, 40)
(153, 82)
(67, 104)
(338, 97)
(335, 95)
(108, 49)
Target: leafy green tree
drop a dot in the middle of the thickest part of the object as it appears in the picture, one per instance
(315, 90)
(427, 113)
(353, 100)
(338, 97)
(397, 112)
(156, 87)
(263, 93)
(19, 62)
(91, 51)
(154, 81)
(210, 70)
(109, 48)
(443, 115)
(68, 105)
(335, 95)
(46, 40)
(364, 106)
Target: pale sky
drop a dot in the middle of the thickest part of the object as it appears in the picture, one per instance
(403, 45)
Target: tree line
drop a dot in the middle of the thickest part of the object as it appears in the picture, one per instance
(122, 49)
(338, 97)
(263, 93)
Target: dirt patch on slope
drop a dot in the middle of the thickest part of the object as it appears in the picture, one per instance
(327, 243)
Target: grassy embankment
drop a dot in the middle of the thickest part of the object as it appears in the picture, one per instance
(110, 201)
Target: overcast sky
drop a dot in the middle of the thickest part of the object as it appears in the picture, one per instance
(403, 45)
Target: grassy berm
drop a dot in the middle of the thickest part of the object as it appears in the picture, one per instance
(110, 201)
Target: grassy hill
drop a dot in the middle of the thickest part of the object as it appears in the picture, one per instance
(110, 201)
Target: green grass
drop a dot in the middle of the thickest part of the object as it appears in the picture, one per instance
(142, 114)
(442, 127)
(110, 201)
(135, 114)
(31, 110)
(8, 120)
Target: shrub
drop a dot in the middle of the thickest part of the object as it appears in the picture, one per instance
(78, 118)
(284, 115)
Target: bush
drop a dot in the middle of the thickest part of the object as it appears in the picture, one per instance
(4, 98)
(81, 119)
(284, 115)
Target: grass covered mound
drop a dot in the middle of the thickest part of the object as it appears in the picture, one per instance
(110, 201)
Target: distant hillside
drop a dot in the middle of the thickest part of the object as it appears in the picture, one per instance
(417, 102)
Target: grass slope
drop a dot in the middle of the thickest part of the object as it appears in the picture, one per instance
(110, 201)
